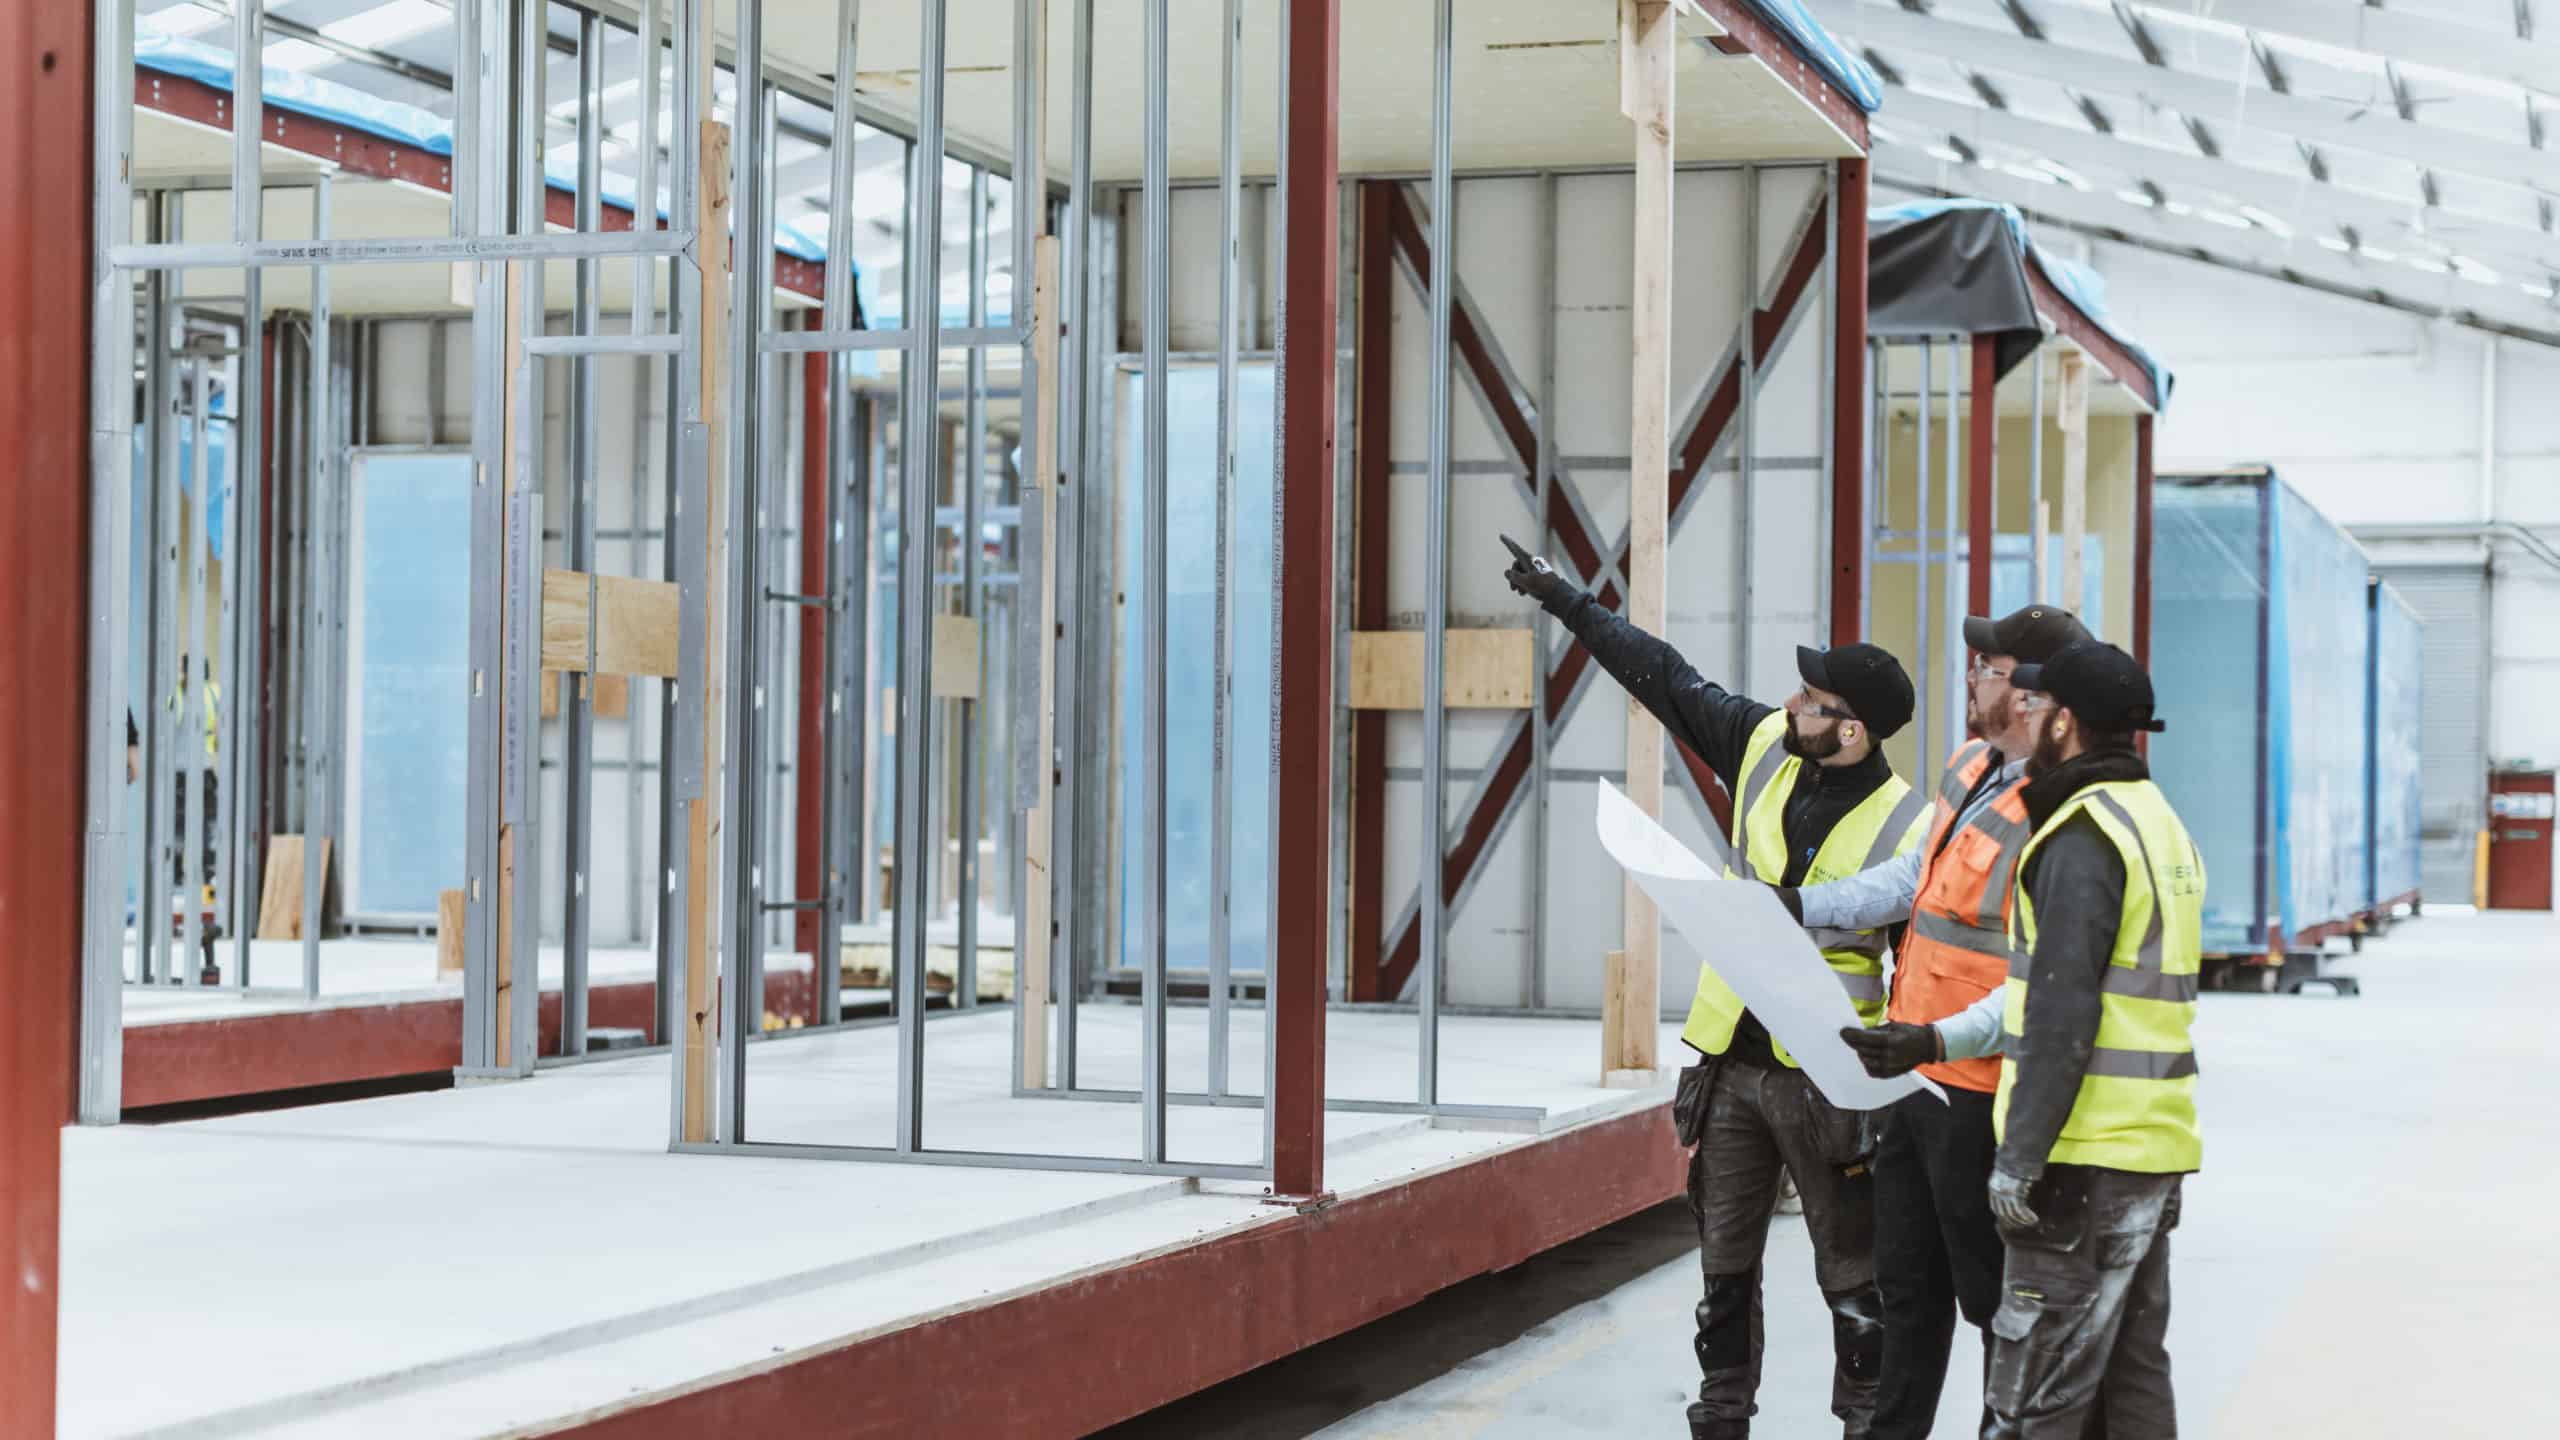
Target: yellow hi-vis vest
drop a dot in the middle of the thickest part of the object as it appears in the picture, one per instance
(1889, 821)
(2137, 1104)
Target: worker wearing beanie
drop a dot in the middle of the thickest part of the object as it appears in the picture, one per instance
(1814, 800)
(1938, 1253)
(2096, 1109)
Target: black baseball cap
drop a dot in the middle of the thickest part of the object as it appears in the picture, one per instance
(2038, 632)
(2101, 684)
(1867, 676)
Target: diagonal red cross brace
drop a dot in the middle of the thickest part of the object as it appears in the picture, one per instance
(1573, 667)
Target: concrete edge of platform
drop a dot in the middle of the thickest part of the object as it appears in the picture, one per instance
(1191, 1315)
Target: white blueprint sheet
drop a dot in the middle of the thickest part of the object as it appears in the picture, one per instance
(1740, 929)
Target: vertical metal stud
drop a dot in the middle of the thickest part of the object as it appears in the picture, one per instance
(577, 707)
(1079, 922)
(1222, 608)
(849, 511)
(1533, 990)
(1921, 628)
(1435, 572)
(970, 715)
(918, 458)
(1157, 249)
(1746, 450)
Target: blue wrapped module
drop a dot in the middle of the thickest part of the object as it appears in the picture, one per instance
(2395, 709)
(2259, 652)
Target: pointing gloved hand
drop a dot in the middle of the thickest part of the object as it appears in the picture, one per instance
(1532, 576)
(1894, 1048)
(2009, 1199)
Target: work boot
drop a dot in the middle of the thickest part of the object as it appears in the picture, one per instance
(1703, 1426)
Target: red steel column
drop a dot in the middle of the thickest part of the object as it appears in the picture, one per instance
(1849, 402)
(1982, 459)
(45, 112)
(817, 631)
(2142, 540)
(1310, 299)
(1373, 433)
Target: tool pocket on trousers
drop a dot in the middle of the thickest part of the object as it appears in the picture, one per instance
(1841, 1137)
(2061, 1203)
(2030, 1332)
(1689, 1102)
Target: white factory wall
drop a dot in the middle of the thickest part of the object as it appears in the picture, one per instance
(2377, 416)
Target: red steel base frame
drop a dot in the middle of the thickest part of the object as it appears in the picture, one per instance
(1025, 1365)
(188, 1060)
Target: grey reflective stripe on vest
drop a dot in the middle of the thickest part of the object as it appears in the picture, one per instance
(1889, 839)
(2141, 1064)
(1952, 786)
(1752, 786)
(2147, 959)
(1863, 989)
(2013, 836)
(1979, 939)
(2152, 985)
(1869, 943)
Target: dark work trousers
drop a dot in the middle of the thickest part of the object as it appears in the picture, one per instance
(1938, 1251)
(2079, 1344)
(1761, 1120)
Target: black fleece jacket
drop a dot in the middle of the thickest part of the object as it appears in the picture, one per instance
(2075, 880)
(1717, 724)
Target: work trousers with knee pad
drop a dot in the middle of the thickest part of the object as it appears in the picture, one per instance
(1759, 1120)
(2079, 1345)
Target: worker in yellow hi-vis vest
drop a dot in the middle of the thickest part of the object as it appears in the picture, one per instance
(2096, 1110)
(1814, 800)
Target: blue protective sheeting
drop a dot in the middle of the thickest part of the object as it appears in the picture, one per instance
(1191, 394)
(2085, 288)
(2258, 652)
(155, 49)
(1805, 35)
(2395, 711)
(410, 556)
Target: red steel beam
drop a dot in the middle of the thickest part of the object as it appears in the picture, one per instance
(817, 631)
(1373, 432)
(189, 1060)
(1301, 899)
(45, 110)
(1849, 406)
(2109, 352)
(1982, 453)
(1747, 33)
(375, 157)
(1020, 1364)
(1511, 768)
(2142, 480)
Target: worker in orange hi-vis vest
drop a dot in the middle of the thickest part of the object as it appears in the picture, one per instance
(1938, 1251)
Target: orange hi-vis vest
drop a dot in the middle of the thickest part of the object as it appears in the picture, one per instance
(1957, 948)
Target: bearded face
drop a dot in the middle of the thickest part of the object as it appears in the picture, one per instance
(1822, 744)
(2047, 753)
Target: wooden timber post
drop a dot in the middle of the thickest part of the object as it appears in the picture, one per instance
(1631, 999)
(702, 818)
(2075, 475)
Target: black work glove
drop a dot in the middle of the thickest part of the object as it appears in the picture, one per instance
(2009, 1199)
(1532, 576)
(1894, 1048)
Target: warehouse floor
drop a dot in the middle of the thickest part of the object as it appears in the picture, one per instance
(2364, 1255)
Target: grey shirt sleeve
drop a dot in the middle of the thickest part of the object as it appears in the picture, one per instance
(1879, 895)
(1974, 1031)
(2075, 880)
